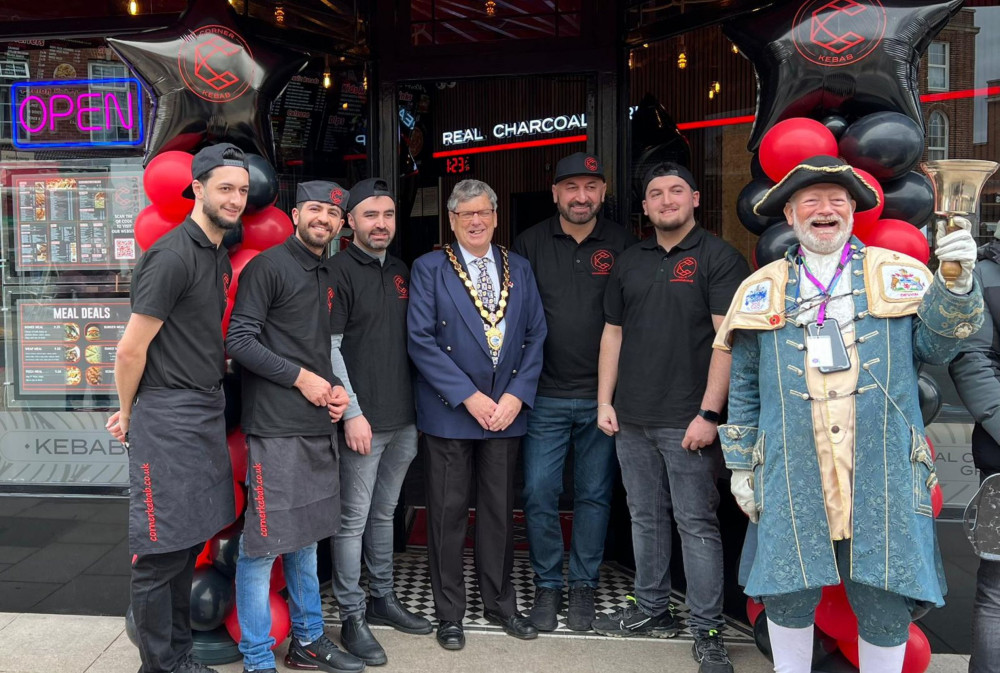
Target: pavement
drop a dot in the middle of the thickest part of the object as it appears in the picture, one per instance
(46, 643)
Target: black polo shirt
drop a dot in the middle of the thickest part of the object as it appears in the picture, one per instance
(369, 309)
(182, 280)
(664, 303)
(281, 323)
(571, 279)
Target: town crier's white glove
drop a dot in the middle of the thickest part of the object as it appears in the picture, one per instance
(742, 487)
(958, 246)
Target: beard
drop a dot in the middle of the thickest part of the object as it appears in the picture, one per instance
(313, 240)
(667, 225)
(214, 215)
(366, 240)
(821, 246)
(567, 213)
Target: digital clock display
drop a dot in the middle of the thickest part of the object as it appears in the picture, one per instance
(458, 165)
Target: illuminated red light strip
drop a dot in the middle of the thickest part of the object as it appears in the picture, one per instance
(512, 146)
(355, 157)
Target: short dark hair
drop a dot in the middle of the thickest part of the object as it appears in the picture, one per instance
(228, 154)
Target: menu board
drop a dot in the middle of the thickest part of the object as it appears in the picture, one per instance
(81, 221)
(67, 346)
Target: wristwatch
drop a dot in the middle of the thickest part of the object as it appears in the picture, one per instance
(709, 415)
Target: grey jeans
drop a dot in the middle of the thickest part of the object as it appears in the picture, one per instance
(666, 482)
(369, 490)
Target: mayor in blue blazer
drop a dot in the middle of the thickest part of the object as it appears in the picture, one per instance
(476, 328)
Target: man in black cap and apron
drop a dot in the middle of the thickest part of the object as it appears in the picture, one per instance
(280, 333)
(369, 356)
(168, 372)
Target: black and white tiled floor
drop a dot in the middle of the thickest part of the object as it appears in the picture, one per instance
(413, 587)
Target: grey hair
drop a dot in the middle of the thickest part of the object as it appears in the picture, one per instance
(466, 190)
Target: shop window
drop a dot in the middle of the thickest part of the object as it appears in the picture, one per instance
(463, 21)
(104, 70)
(10, 72)
(938, 67)
(937, 136)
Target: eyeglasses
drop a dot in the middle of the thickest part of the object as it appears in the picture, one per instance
(467, 215)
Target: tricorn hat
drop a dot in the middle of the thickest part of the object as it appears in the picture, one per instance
(821, 169)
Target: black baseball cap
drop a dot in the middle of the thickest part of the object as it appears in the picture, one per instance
(323, 191)
(212, 157)
(576, 165)
(665, 169)
(367, 189)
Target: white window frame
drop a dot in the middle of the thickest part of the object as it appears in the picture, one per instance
(98, 70)
(936, 152)
(942, 70)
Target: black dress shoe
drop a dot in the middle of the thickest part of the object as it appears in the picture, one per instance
(451, 635)
(516, 624)
(359, 641)
(388, 611)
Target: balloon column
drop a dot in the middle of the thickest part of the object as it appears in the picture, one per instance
(841, 79)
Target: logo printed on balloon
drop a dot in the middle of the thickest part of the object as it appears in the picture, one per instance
(684, 270)
(216, 64)
(602, 261)
(401, 287)
(838, 32)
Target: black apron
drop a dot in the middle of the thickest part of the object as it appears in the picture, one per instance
(293, 495)
(180, 477)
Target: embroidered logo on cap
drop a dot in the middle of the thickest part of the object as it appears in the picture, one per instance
(337, 196)
(591, 164)
(602, 261)
(401, 287)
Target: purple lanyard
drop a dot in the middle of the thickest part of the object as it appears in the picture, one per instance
(846, 255)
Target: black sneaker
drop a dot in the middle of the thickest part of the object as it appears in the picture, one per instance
(544, 613)
(709, 651)
(631, 621)
(189, 665)
(322, 655)
(581, 608)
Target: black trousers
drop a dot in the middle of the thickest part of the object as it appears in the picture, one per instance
(161, 606)
(450, 467)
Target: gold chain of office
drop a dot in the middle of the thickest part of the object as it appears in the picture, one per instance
(494, 336)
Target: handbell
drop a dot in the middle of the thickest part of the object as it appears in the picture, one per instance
(957, 185)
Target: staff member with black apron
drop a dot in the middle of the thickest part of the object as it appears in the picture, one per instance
(168, 372)
(280, 333)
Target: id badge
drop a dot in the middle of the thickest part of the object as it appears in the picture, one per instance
(825, 347)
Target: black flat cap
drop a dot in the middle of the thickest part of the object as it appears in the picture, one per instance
(818, 170)
(323, 191)
(576, 165)
(367, 189)
(211, 157)
(666, 169)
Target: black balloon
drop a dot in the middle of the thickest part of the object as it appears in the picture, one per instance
(910, 198)
(233, 237)
(756, 170)
(224, 550)
(263, 184)
(750, 195)
(816, 58)
(761, 637)
(886, 144)
(930, 398)
(214, 648)
(835, 124)
(655, 138)
(212, 597)
(209, 83)
(773, 244)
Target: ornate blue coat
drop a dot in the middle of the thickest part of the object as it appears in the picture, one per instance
(902, 318)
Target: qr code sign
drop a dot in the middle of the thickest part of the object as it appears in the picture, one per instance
(124, 248)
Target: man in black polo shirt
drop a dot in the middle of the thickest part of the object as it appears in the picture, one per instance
(280, 333)
(572, 254)
(664, 301)
(168, 373)
(371, 293)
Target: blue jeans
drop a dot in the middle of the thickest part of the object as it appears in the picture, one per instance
(253, 586)
(883, 617)
(665, 482)
(553, 425)
(369, 491)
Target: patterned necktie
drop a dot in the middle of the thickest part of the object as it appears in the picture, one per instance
(484, 286)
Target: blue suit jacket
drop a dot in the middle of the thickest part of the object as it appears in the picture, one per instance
(447, 343)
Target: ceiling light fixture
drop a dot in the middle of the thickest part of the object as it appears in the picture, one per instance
(491, 8)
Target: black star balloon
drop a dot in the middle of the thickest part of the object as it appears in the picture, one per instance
(209, 83)
(816, 58)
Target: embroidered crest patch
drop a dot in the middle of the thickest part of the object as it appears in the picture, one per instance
(757, 298)
(903, 282)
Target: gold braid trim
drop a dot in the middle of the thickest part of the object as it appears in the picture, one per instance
(818, 169)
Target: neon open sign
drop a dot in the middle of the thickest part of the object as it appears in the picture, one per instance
(77, 113)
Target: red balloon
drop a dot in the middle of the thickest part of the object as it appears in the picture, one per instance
(937, 499)
(790, 142)
(834, 615)
(899, 236)
(266, 228)
(239, 260)
(205, 557)
(237, 443)
(867, 218)
(165, 179)
(918, 652)
(281, 621)
(930, 446)
(150, 224)
(753, 610)
(227, 315)
(849, 648)
(278, 575)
